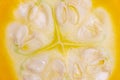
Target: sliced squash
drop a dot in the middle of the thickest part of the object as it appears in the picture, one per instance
(59, 40)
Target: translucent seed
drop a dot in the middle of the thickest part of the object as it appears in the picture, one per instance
(73, 14)
(77, 73)
(30, 76)
(59, 66)
(37, 65)
(61, 13)
(102, 76)
(23, 11)
(38, 16)
(91, 30)
(21, 34)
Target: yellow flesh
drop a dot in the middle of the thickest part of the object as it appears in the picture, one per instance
(73, 50)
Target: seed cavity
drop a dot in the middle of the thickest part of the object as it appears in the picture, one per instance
(40, 15)
(91, 30)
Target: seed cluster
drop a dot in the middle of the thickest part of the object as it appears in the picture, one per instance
(67, 40)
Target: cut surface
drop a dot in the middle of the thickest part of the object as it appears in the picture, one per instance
(61, 40)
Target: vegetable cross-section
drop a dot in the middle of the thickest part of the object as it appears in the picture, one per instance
(61, 40)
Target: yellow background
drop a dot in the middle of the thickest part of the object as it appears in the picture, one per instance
(6, 8)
